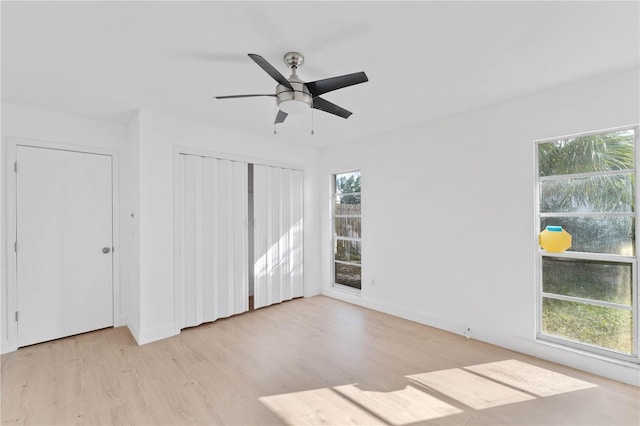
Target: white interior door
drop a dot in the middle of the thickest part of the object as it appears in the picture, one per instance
(65, 237)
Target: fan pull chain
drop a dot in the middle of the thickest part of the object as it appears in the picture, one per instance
(311, 122)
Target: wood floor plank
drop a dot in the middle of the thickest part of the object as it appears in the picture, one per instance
(308, 361)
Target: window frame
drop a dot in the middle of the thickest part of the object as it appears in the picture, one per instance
(335, 238)
(616, 258)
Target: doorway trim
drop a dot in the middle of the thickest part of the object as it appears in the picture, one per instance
(10, 304)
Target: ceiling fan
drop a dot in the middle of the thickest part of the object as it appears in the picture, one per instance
(295, 96)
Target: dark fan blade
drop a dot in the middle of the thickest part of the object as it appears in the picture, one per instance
(319, 87)
(280, 117)
(241, 96)
(274, 73)
(331, 108)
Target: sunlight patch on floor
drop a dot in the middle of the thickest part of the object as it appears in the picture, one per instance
(426, 396)
(409, 405)
(470, 389)
(536, 380)
(318, 407)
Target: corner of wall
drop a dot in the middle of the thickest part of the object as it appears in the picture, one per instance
(134, 331)
(130, 225)
(153, 334)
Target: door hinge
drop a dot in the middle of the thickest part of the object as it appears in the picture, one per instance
(15, 166)
(15, 246)
(16, 316)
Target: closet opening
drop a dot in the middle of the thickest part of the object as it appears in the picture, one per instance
(239, 237)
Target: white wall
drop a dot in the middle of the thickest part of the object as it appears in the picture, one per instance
(448, 214)
(48, 126)
(159, 135)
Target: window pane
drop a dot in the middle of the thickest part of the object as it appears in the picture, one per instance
(347, 183)
(348, 251)
(613, 235)
(596, 325)
(584, 154)
(348, 275)
(611, 193)
(348, 227)
(347, 205)
(347, 224)
(589, 279)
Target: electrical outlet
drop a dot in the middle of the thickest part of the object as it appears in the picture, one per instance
(373, 283)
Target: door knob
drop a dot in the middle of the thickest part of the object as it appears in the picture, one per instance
(106, 250)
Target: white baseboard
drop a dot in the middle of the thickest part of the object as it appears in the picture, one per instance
(619, 370)
(6, 346)
(148, 335)
(120, 321)
(398, 311)
(622, 371)
(133, 329)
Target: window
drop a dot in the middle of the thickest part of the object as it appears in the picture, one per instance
(347, 235)
(587, 295)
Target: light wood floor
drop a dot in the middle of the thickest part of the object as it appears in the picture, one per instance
(307, 361)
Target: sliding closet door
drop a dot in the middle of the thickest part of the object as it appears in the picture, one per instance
(212, 262)
(278, 234)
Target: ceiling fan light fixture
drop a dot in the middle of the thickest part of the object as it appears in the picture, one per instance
(294, 101)
(293, 106)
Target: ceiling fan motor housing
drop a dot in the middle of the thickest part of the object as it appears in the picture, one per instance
(293, 101)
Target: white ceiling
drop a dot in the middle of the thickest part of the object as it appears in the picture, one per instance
(424, 59)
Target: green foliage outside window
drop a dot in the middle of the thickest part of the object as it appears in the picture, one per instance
(587, 154)
(584, 154)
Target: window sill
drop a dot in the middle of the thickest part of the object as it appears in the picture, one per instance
(346, 289)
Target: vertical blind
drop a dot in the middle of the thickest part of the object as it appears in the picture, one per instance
(278, 247)
(212, 266)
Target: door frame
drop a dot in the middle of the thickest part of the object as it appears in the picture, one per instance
(10, 304)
